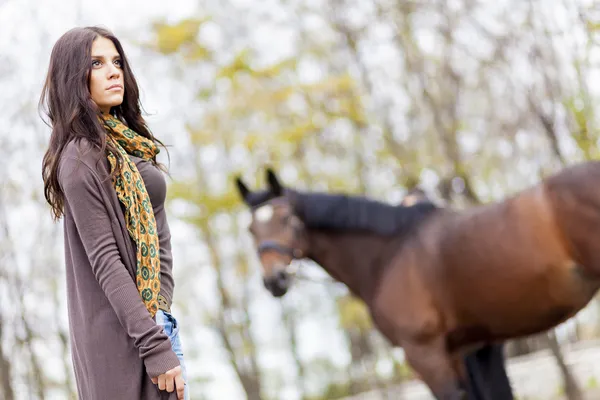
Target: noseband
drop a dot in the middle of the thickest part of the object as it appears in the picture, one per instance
(273, 245)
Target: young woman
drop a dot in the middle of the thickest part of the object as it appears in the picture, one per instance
(100, 173)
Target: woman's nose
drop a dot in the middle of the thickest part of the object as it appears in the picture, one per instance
(113, 71)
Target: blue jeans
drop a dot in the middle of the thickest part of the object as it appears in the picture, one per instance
(171, 328)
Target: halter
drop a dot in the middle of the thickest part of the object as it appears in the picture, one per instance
(293, 267)
(267, 245)
(294, 253)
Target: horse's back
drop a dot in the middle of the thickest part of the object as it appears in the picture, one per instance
(575, 197)
(497, 271)
(499, 267)
(534, 226)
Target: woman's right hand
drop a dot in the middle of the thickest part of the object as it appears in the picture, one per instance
(171, 380)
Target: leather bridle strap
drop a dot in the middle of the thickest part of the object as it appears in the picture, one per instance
(273, 245)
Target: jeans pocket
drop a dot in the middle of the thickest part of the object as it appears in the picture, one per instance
(171, 325)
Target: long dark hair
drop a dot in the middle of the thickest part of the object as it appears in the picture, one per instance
(73, 114)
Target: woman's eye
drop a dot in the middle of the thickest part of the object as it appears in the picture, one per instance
(95, 63)
(118, 63)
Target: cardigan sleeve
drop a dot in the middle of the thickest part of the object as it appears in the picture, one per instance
(87, 207)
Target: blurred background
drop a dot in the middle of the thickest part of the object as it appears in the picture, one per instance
(471, 99)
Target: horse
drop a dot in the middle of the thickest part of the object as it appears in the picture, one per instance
(437, 281)
(485, 368)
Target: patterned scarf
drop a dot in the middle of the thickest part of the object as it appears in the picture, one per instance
(139, 215)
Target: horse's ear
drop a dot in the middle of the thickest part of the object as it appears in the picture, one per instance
(274, 185)
(242, 188)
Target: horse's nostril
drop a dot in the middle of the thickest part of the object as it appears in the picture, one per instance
(277, 283)
(267, 282)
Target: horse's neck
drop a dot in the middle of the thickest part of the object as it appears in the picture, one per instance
(357, 260)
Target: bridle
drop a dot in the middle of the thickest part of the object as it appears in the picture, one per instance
(273, 245)
(294, 253)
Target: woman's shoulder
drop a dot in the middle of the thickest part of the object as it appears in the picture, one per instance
(82, 159)
(81, 149)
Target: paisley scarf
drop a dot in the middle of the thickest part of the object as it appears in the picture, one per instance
(139, 215)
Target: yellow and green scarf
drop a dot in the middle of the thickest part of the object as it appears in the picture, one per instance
(139, 215)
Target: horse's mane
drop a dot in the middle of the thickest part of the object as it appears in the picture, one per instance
(358, 213)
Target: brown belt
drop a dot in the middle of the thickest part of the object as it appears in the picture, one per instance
(163, 304)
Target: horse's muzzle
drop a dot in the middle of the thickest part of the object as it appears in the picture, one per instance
(278, 283)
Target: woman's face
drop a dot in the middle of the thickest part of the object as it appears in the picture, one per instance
(106, 77)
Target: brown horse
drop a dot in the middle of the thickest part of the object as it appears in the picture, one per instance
(439, 281)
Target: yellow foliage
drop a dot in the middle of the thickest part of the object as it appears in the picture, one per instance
(342, 184)
(252, 140)
(296, 133)
(214, 204)
(239, 63)
(275, 70)
(170, 38)
(197, 52)
(354, 314)
(199, 137)
(331, 85)
(242, 268)
(580, 113)
(210, 203)
(281, 95)
(593, 26)
(351, 108)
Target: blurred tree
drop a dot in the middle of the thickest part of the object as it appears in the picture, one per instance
(5, 369)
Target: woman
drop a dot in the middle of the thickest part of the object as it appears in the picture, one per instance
(100, 173)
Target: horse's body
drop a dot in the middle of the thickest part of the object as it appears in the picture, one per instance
(511, 257)
(447, 280)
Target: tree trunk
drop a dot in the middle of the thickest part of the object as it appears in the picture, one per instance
(248, 372)
(289, 319)
(5, 367)
(572, 390)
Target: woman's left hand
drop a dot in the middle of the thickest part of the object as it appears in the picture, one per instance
(171, 380)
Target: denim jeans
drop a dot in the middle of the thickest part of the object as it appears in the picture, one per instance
(171, 327)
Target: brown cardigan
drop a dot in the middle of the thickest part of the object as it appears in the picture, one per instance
(116, 345)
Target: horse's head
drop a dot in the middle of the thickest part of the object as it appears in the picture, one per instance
(279, 234)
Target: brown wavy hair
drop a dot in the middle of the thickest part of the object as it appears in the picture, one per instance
(72, 113)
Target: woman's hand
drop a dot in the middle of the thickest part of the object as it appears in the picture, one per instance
(171, 380)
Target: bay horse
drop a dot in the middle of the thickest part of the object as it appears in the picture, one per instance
(485, 368)
(439, 282)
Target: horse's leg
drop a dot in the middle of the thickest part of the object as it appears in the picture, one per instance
(462, 376)
(487, 375)
(437, 368)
